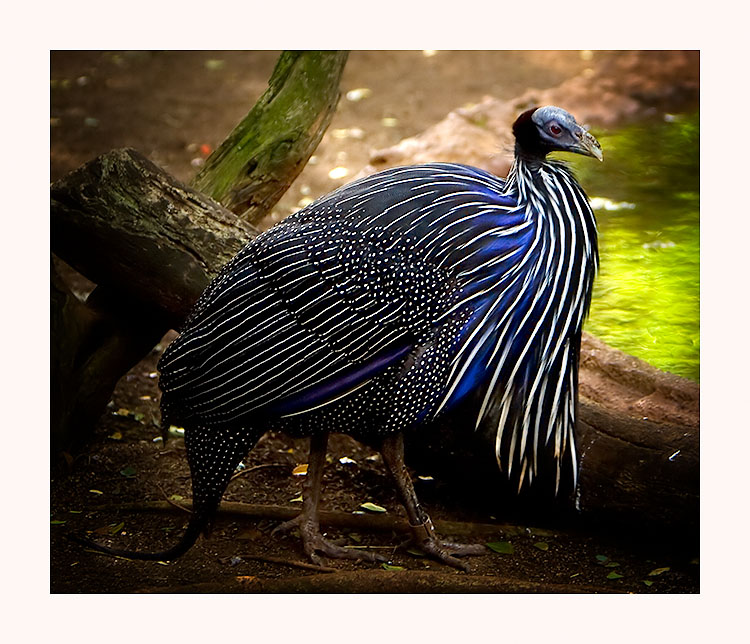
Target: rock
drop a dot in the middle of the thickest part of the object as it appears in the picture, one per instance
(624, 87)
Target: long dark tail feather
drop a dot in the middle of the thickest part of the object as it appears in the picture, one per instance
(195, 527)
(213, 456)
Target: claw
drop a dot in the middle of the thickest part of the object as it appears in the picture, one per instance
(313, 542)
(447, 552)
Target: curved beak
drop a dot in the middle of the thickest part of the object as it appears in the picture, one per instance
(587, 145)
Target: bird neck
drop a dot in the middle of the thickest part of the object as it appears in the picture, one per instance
(525, 175)
(529, 176)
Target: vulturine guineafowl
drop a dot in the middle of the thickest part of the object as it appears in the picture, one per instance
(382, 305)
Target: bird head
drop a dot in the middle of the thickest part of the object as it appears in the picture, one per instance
(542, 130)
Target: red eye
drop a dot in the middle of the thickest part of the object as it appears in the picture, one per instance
(555, 129)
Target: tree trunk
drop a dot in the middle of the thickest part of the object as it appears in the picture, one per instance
(258, 161)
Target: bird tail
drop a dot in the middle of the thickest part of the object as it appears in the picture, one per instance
(197, 525)
(213, 456)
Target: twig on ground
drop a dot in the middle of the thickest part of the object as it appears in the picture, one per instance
(286, 562)
(359, 522)
(256, 467)
(171, 502)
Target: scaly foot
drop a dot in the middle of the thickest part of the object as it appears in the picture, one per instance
(313, 543)
(447, 552)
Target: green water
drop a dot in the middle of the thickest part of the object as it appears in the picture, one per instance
(646, 298)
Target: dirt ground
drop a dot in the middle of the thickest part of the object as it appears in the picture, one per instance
(175, 107)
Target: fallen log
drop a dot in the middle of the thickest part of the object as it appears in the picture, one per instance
(131, 227)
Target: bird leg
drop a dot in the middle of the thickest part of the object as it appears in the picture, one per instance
(422, 530)
(308, 521)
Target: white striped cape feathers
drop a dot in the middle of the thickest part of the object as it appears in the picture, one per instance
(326, 301)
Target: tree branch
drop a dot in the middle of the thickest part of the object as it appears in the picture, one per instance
(258, 161)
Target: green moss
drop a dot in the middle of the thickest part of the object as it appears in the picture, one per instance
(280, 132)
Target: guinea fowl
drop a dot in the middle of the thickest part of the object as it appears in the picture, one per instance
(381, 306)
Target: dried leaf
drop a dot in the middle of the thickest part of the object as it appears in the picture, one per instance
(503, 547)
(176, 497)
(249, 534)
(658, 571)
(116, 436)
(372, 507)
(386, 566)
(300, 470)
(96, 492)
(57, 522)
(339, 172)
(104, 531)
(296, 499)
(114, 529)
(358, 94)
(542, 545)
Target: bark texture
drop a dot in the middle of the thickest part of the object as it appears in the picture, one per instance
(129, 226)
